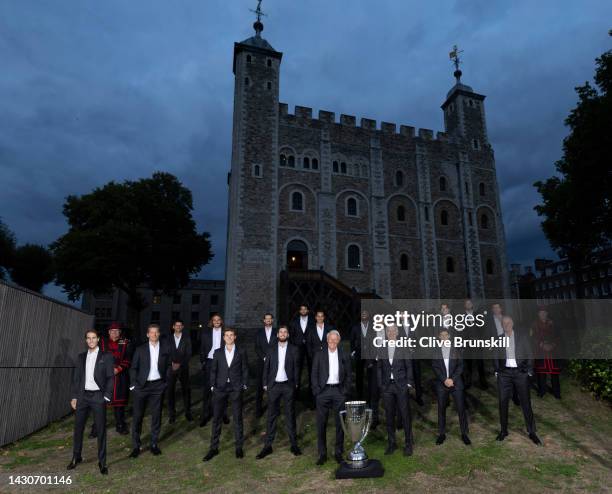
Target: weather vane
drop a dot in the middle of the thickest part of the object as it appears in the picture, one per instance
(258, 11)
(454, 56)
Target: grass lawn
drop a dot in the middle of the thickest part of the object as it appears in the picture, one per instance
(577, 454)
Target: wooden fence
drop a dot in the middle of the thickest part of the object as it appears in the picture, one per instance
(39, 341)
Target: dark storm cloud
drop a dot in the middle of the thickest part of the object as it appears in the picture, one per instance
(114, 90)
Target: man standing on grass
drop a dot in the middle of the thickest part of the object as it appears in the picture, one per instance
(265, 339)
(180, 345)
(92, 388)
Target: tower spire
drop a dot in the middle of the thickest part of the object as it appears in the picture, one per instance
(258, 25)
(454, 56)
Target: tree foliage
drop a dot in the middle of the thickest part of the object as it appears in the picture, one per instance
(7, 248)
(32, 267)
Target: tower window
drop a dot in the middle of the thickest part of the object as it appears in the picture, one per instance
(399, 178)
(269, 86)
(306, 162)
(343, 167)
(248, 58)
(291, 161)
(315, 164)
(282, 160)
(484, 222)
(353, 257)
(450, 265)
(471, 103)
(467, 188)
(470, 218)
(444, 217)
(401, 213)
(481, 188)
(257, 171)
(442, 184)
(476, 144)
(297, 201)
(351, 207)
(269, 62)
(489, 266)
(335, 167)
(426, 213)
(404, 262)
(247, 81)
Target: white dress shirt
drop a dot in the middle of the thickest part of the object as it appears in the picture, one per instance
(446, 356)
(154, 369)
(303, 323)
(511, 353)
(229, 355)
(90, 365)
(177, 339)
(391, 353)
(268, 330)
(364, 329)
(216, 342)
(320, 330)
(334, 367)
(281, 374)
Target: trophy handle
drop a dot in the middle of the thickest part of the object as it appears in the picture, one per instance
(366, 427)
(342, 413)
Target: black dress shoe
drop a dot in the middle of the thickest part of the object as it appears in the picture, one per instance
(74, 462)
(210, 455)
(93, 434)
(419, 401)
(338, 458)
(225, 419)
(296, 450)
(172, 420)
(155, 450)
(501, 436)
(123, 431)
(535, 439)
(264, 452)
(239, 453)
(390, 449)
(441, 439)
(408, 451)
(466, 439)
(135, 453)
(103, 469)
(188, 417)
(322, 460)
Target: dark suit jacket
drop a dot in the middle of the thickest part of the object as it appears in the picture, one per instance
(356, 339)
(182, 354)
(103, 375)
(206, 342)
(141, 363)
(296, 335)
(523, 354)
(261, 343)
(320, 371)
(238, 372)
(455, 367)
(271, 366)
(401, 368)
(313, 343)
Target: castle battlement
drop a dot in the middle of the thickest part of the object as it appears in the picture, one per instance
(304, 113)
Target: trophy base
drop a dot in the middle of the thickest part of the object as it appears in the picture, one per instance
(372, 468)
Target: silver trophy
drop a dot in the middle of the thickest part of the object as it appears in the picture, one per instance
(356, 420)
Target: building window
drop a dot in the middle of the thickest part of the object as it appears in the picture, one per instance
(444, 217)
(269, 62)
(426, 213)
(476, 144)
(297, 201)
(155, 316)
(442, 184)
(306, 162)
(269, 86)
(176, 299)
(351, 207)
(364, 171)
(248, 58)
(471, 103)
(467, 188)
(214, 299)
(195, 299)
(450, 265)
(291, 161)
(315, 164)
(343, 168)
(257, 171)
(283, 160)
(470, 219)
(335, 167)
(247, 81)
(481, 188)
(156, 299)
(353, 257)
(404, 262)
(401, 213)
(484, 222)
(399, 178)
(489, 266)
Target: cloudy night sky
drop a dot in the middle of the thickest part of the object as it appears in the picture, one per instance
(95, 91)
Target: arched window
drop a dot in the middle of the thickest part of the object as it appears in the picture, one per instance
(335, 167)
(269, 86)
(404, 262)
(351, 207)
(476, 144)
(399, 178)
(306, 162)
(247, 81)
(444, 217)
(257, 171)
(282, 160)
(481, 188)
(467, 188)
(489, 266)
(248, 58)
(353, 257)
(343, 167)
(450, 265)
(442, 184)
(401, 213)
(426, 213)
(297, 201)
(315, 164)
(484, 221)
(269, 62)
(291, 161)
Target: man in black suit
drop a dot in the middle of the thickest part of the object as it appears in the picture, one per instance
(317, 338)
(211, 339)
(280, 377)
(362, 334)
(229, 376)
(513, 367)
(92, 388)
(447, 368)
(472, 332)
(415, 362)
(394, 375)
(300, 327)
(180, 354)
(331, 385)
(265, 339)
(148, 375)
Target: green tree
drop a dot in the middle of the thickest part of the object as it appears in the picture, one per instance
(32, 267)
(7, 249)
(129, 235)
(577, 202)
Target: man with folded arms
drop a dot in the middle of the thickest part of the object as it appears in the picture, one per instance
(280, 378)
(331, 384)
(92, 388)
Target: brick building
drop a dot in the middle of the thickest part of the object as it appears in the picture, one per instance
(400, 212)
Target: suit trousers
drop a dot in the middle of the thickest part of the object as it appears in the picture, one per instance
(330, 399)
(220, 398)
(510, 379)
(281, 392)
(443, 393)
(259, 392)
(396, 402)
(181, 375)
(207, 408)
(304, 360)
(90, 401)
(150, 394)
